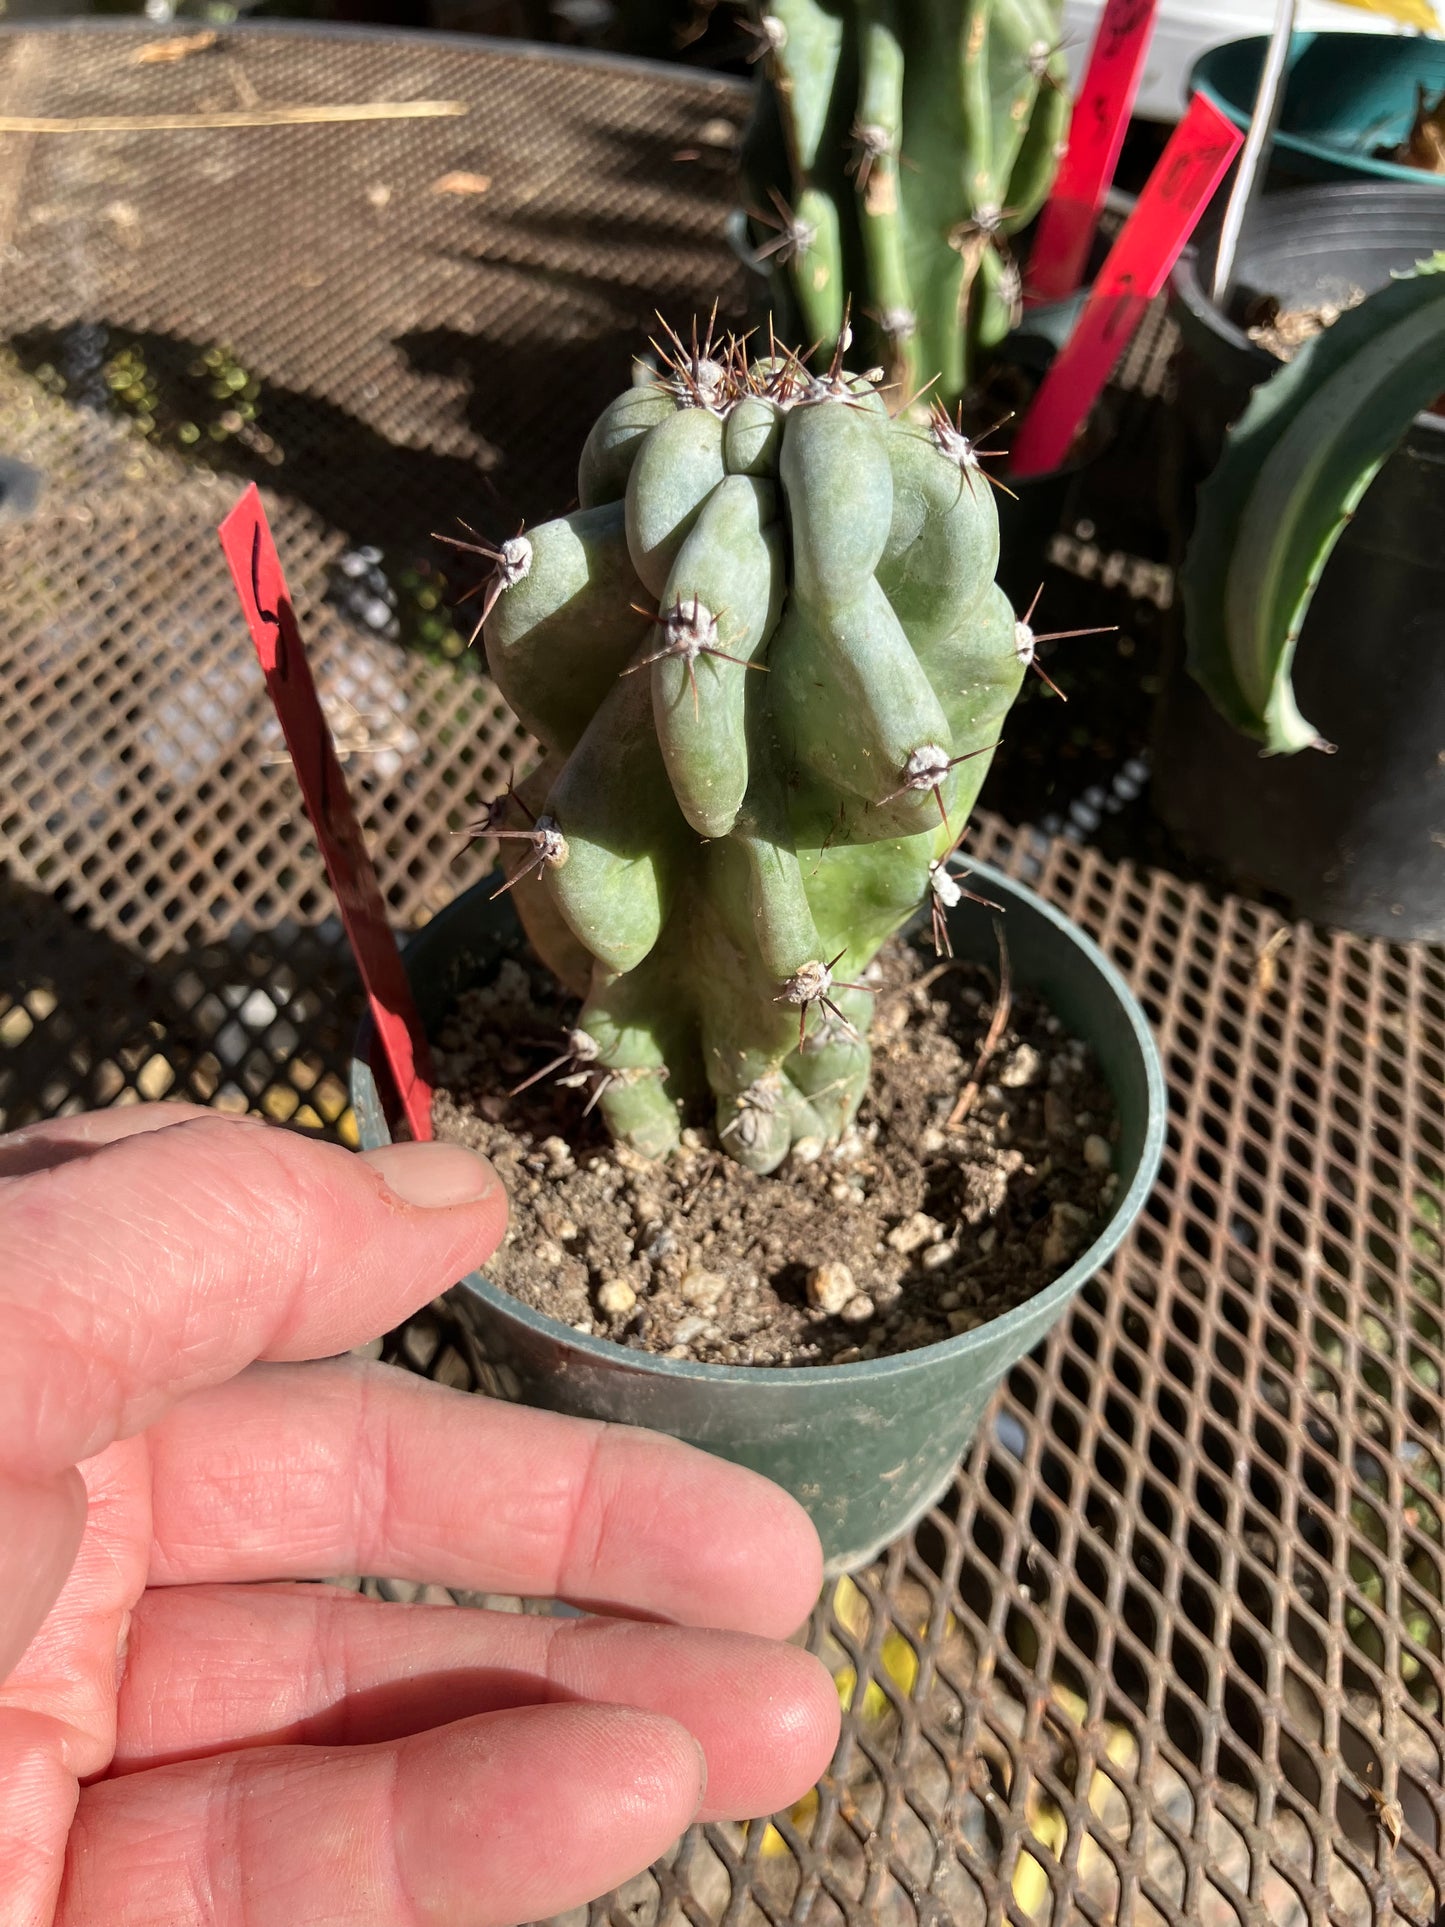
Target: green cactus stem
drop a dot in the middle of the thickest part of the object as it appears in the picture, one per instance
(1294, 470)
(895, 149)
(768, 665)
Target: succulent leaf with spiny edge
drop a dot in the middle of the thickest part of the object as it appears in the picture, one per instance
(768, 665)
(895, 147)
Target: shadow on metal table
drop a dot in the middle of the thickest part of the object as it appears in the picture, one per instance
(1170, 1650)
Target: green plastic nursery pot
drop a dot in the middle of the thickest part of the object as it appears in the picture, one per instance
(1347, 97)
(866, 1447)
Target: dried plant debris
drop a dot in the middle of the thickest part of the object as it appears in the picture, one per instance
(1424, 146)
(1282, 332)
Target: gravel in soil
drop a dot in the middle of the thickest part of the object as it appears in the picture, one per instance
(903, 1233)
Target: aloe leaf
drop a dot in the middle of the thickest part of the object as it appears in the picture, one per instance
(1294, 470)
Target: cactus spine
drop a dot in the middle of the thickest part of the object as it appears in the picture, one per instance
(767, 662)
(895, 147)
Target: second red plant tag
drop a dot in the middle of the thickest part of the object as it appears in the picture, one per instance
(1189, 170)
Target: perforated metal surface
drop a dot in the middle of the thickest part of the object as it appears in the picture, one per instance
(388, 325)
(1171, 1651)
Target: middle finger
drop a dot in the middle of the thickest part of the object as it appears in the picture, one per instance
(316, 1471)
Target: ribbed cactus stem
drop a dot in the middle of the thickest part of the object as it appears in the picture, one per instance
(896, 149)
(767, 663)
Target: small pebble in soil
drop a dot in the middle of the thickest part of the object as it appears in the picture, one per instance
(1067, 1232)
(1024, 1067)
(1097, 1152)
(558, 1153)
(915, 1232)
(616, 1298)
(830, 1288)
(703, 1289)
(858, 1310)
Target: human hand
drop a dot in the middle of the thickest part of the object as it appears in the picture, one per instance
(187, 1738)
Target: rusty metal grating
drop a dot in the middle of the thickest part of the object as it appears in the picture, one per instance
(1171, 1651)
(386, 326)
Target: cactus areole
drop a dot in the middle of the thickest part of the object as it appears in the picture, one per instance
(767, 662)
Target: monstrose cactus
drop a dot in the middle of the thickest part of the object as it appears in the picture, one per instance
(895, 147)
(767, 662)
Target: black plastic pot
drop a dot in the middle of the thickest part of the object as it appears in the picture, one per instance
(1033, 510)
(1030, 515)
(866, 1447)
(1356, 839)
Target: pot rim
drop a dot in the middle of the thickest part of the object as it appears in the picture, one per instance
(1187, 287)
(414, 39)
(1126, 1210)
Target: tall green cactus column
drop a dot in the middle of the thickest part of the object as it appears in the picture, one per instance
(896, 147)
(767, 662)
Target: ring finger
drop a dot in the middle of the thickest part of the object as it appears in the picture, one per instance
(212, 1667)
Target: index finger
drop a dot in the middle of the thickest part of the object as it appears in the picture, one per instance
(153, 1266)
(57, 1140)
(319, 1471)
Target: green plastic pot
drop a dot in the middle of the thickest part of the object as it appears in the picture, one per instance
(1346, 95)
(866, 1447)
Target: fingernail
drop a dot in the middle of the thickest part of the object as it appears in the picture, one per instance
(433, 1175)
(702, 1775)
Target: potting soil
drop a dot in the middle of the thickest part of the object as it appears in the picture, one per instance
(906, 1232)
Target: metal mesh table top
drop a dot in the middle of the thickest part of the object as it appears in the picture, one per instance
(1171, 1648)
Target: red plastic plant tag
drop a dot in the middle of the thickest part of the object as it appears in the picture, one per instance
(1096, 133)
(266, 601)
(1191, 167)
